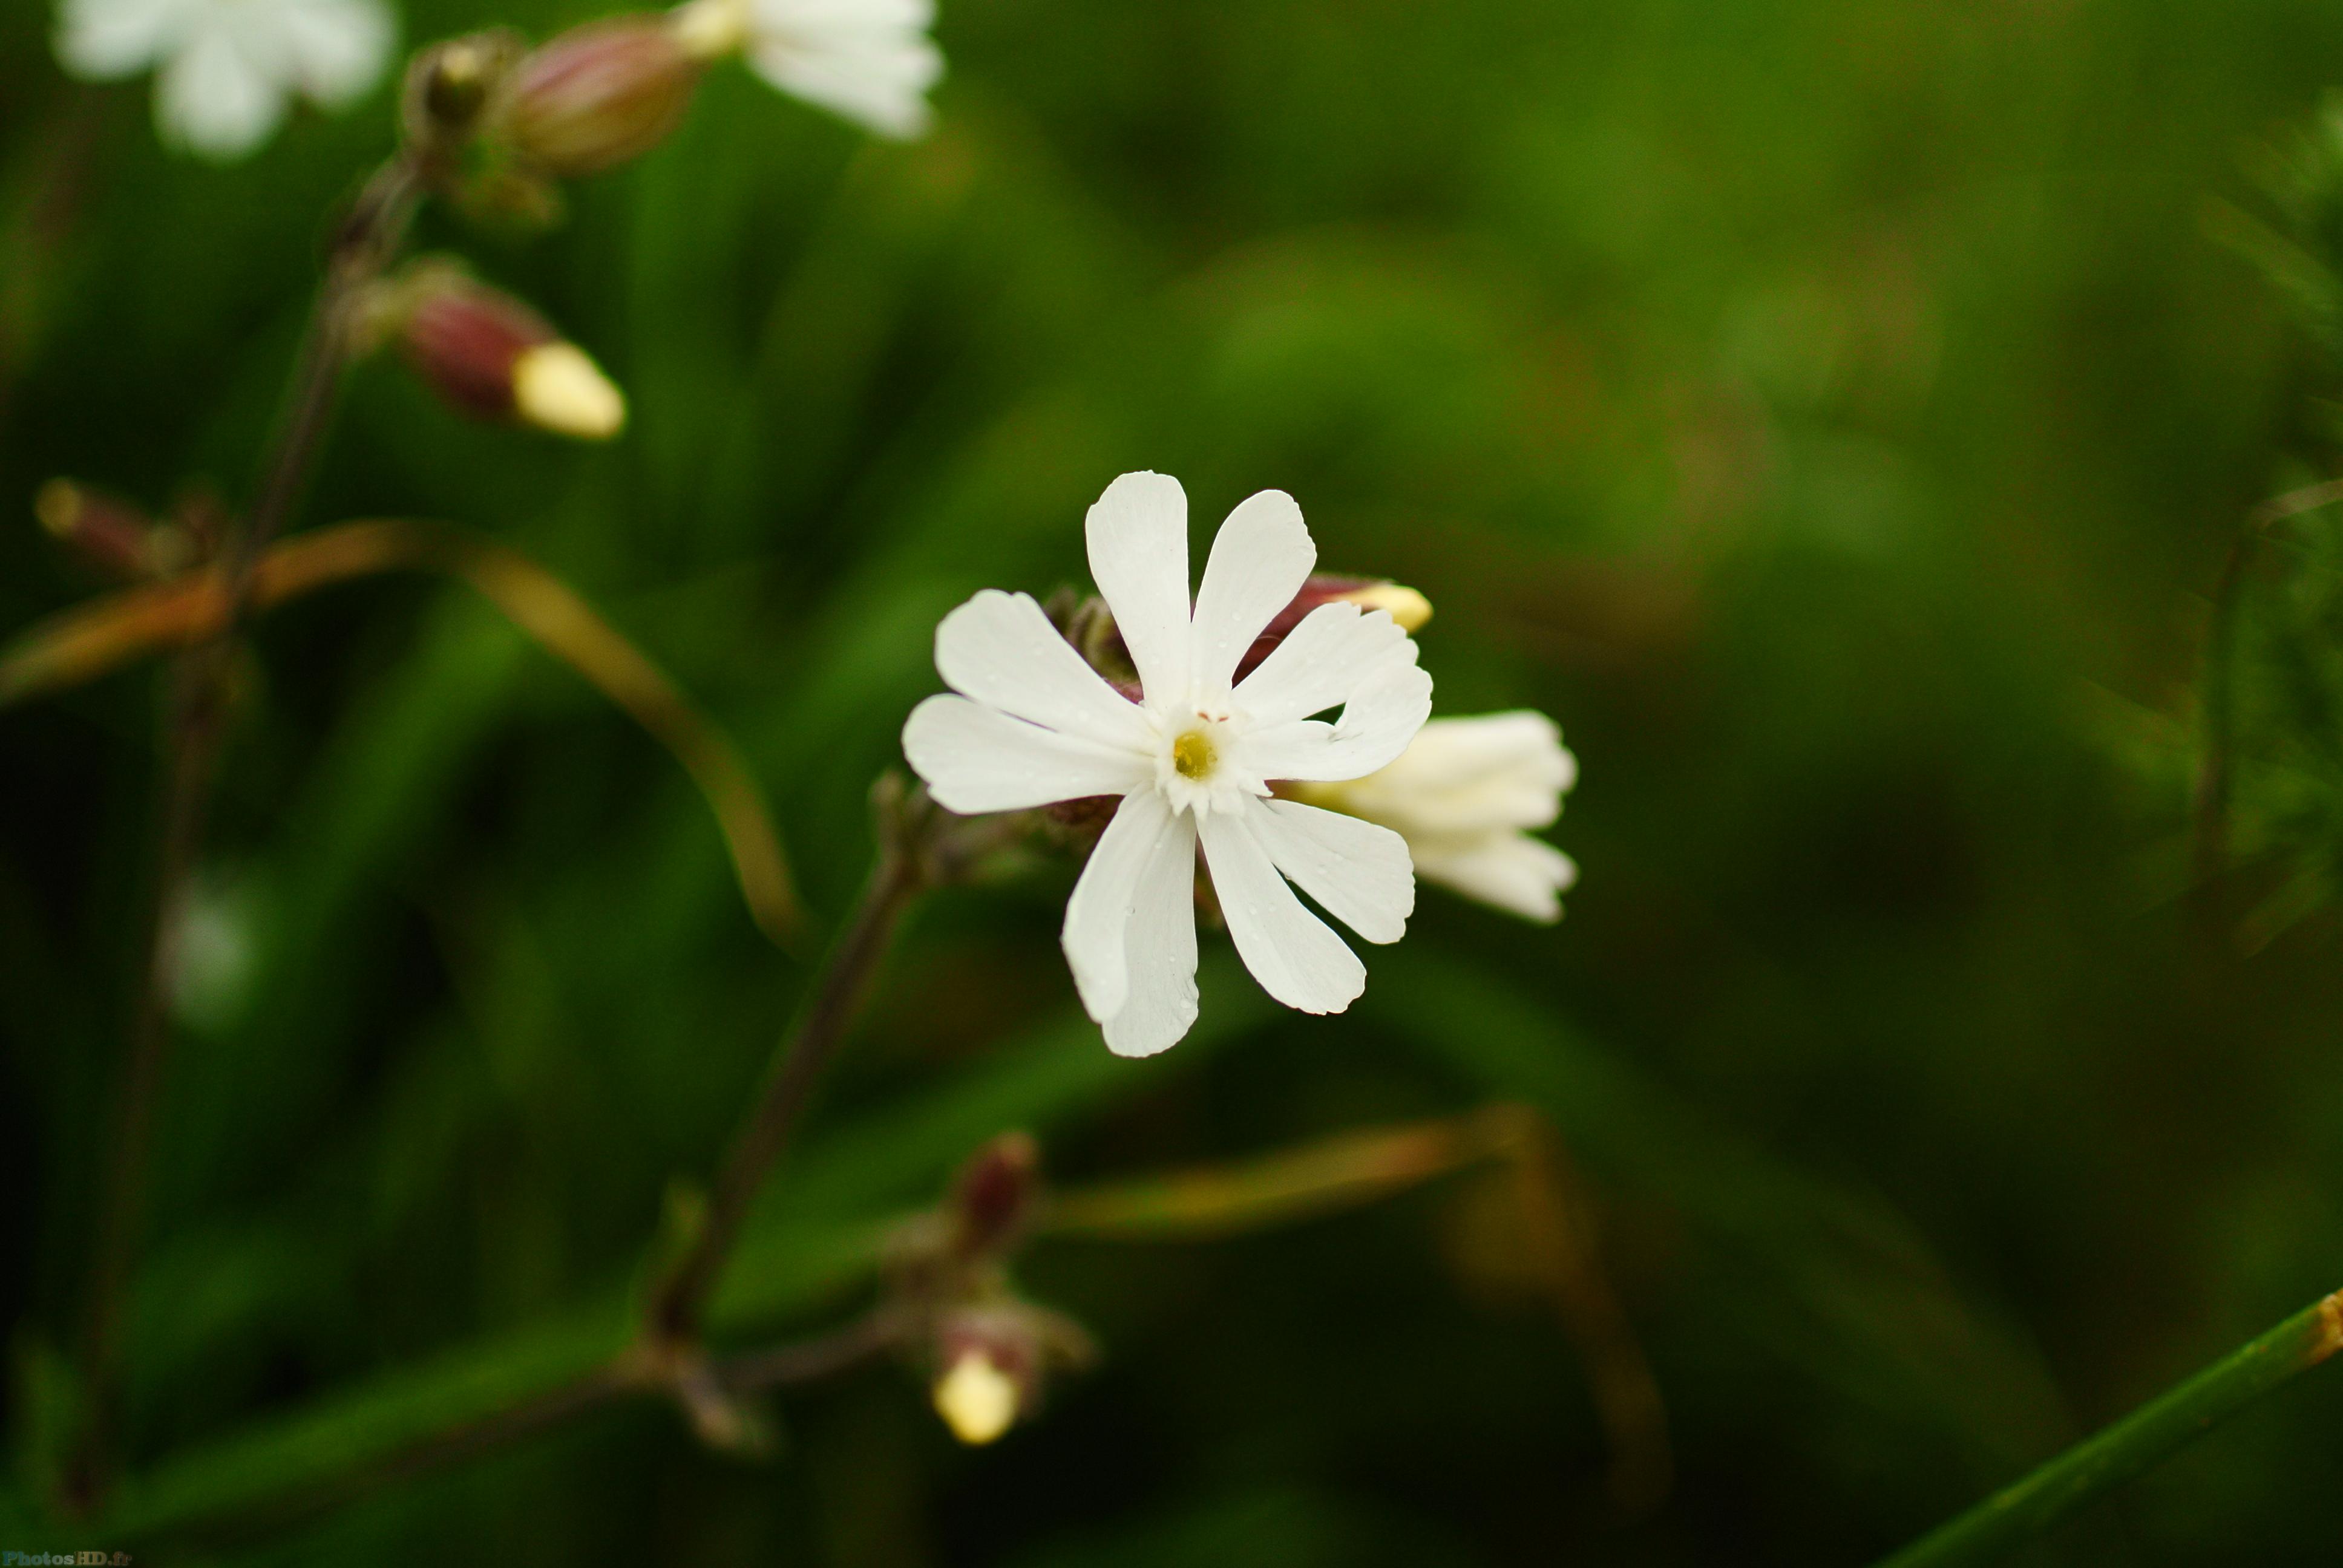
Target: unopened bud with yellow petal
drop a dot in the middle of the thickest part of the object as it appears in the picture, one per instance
(492, 356)
(994, 1354)
(978, 1399)
(1410, 609)
(710, 29)
(557, 387)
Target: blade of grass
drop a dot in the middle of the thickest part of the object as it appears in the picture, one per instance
(2134, 1445)
(1833, 1280)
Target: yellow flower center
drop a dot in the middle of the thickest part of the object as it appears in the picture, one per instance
(1192, 755)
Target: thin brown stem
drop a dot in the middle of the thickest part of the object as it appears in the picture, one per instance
(679, 1301)
(368, 238)
(194, 731)
(811, 1360)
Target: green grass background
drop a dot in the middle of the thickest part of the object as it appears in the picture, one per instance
(1832, 412)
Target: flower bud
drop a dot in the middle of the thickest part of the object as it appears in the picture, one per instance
(596, 96)
(1408, 607)
(112, 535)
(992, 1197)
(978, 1399)
(992, 1359)
(710, 29)
(451, 83)
(494, 357)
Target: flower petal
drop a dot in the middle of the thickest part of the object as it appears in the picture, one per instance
(1381, 716)
(1295, 956)
(1260, 560)
(1359, 872)
(1498, 770)
(1322, 662)
(1000, 649)
(216, 98)
(975, 759)
(1138, 535)
(103, 39)
(874, 74)
(1098, 915)
(1517, 874)
(1160, 949)
(337, 48)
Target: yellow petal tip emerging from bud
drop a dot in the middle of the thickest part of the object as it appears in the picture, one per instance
(556, 388)
(1410, 609)
(976, 1400)
(710, 29)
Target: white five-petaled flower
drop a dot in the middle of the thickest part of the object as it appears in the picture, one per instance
(1466, 794)
(1193, 759)
(869, 60)
(226, 69)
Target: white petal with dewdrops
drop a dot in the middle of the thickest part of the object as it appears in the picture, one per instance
(1195, 758)
(869, 61)
(1467, 794)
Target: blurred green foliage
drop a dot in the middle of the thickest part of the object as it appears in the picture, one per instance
(1833, 413)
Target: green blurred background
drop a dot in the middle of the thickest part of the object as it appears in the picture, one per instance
(1834, 413)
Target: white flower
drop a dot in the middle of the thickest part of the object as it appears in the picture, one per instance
(1464, 794)
(224, 69)
(869, 60)
(1193, 759)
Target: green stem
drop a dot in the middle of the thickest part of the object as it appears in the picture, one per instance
(680, 1299)
(2134, 1445)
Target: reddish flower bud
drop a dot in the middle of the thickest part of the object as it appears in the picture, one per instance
(494, 357)
(112, 535)
(992, 1196)
(1410, 609)
(597, 95)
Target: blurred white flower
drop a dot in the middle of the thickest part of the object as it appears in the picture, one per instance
(226, 69)
(1193, 757)
(869, 60)
(1464, 794)
(216, 952)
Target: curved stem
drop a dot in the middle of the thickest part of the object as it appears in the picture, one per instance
(2134, 1445)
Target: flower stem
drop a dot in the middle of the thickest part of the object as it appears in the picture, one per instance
(2134, 1445)
(680, 1300)
(372, 231)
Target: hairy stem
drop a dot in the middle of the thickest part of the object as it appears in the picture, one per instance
(680, 1300)
(2134, 1445)
(195, 726)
